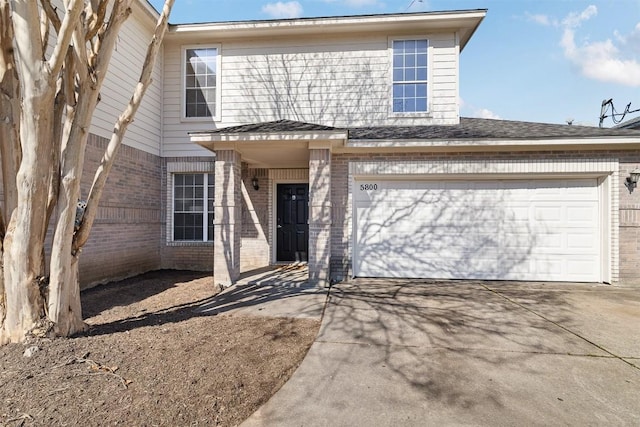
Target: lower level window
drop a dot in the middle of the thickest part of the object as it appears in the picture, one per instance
(193, 207)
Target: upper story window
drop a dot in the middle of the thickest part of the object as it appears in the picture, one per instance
(201, 82)
(410, 67)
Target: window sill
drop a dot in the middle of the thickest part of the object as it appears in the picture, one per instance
(188, 243)
(199, 119)
(426, 114)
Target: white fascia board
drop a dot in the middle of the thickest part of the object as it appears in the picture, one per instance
(428, 143)
(146, 6)
(258, 136)
(467, 19)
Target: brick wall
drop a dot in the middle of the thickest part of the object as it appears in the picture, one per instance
(629, 222)
(626, 239)
(124, 240)
(254, 251)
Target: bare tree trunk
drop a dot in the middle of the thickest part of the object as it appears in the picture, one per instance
(64, 307)
(24, 241)
(10, 153)
(64, 302)
(65, 85)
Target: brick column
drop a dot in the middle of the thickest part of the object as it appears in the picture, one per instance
(319, 216)
(227, 224)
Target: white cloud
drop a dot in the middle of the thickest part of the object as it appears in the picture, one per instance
(291, 9)
(539, 19)
(601, 60)
(484, 113)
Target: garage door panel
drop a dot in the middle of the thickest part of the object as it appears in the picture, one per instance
(582, 212)
(502, 229)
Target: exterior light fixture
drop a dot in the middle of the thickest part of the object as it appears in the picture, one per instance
(254, 182)
(632, 179)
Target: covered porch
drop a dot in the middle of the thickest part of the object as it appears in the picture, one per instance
(272, 197)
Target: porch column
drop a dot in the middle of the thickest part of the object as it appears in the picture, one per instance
(319, 216)
(227, 224)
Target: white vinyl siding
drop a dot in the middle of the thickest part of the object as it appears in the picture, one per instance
(536, 229)
(145, 132)
(334, 81)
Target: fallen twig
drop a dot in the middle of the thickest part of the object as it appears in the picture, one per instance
(21, 417)
(97, 367)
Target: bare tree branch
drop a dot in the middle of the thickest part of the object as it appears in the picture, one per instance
(120, 127)
(52, 14)
(67, 28)
(96, 19)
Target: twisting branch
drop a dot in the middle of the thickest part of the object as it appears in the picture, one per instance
(67, 28)
(51, 13)
(100, 177)
(96, 19)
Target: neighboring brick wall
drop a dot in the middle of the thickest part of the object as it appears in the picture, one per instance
(124, 240)
(628, 243)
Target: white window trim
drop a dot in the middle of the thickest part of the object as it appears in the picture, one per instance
(427, 113)
(183, 71)
(201, 167)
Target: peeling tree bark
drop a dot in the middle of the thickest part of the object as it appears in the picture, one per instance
(53, 115)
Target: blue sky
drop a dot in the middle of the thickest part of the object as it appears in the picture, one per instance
(534, 60)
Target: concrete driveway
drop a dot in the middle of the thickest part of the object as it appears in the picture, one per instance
(416, 352)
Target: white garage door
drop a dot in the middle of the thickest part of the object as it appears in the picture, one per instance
(498, 229)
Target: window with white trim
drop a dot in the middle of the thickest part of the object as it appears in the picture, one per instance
(410, 66)
(200, 82)
(193, 212)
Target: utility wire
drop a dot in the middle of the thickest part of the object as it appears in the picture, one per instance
(411, 4)
(616, 117)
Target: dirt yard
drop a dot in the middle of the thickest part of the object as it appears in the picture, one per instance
(150, 360)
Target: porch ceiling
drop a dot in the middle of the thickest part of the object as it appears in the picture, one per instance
(272, 155)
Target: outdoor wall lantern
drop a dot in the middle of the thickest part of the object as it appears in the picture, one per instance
(632, 179)
(254, 182)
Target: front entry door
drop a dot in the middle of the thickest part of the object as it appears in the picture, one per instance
(292, 222)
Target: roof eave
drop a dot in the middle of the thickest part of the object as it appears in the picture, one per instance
(466, 21)
(631, 142)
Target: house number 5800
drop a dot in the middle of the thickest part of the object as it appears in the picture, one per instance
(368, 187)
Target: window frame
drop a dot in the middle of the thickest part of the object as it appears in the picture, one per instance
(205, 211)
(183, 84)
(428, 81)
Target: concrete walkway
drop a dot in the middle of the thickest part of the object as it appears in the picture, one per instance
(276, 291)
(417, 353)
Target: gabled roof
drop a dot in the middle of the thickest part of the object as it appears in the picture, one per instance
(277, 126)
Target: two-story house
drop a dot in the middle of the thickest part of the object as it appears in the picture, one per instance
(338, 142)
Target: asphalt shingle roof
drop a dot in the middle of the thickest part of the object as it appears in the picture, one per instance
(275, 127)
(469, 128)
(472, 128)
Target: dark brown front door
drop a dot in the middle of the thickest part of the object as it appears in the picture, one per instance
(293, 222)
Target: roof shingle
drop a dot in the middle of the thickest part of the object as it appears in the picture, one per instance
(469, 128)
